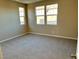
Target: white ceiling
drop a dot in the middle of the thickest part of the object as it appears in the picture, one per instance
(27, 1)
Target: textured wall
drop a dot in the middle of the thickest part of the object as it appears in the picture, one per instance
(9, 20)
(67, 19)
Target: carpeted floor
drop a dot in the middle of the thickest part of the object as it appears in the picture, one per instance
(38, 47)
(0, 53)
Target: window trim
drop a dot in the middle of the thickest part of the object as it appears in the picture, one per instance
(39, 15)
(22, 16)
(45, 15)
(52, 14)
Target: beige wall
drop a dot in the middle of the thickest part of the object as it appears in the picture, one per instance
(9, 20)
(67, 19)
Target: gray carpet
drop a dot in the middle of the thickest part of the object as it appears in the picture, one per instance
(38, 47)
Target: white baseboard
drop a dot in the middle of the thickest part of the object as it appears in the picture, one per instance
(54, 36)
(12, 37)
(38, 34)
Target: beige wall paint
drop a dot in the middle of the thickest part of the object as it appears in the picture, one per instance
(67, 19)
(9, 20)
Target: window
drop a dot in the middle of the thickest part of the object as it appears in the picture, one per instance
(51, 14)
(40, 15)
(22, 15)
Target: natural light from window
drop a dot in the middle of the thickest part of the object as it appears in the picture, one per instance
(47, 15)
(40, 15)
(51, 14)
(22, 15)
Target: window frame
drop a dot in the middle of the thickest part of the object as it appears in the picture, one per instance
(45, 14)
(52, 14)
(39, 15)
(22, 23)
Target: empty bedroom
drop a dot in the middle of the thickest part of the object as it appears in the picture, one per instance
(38, 29)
